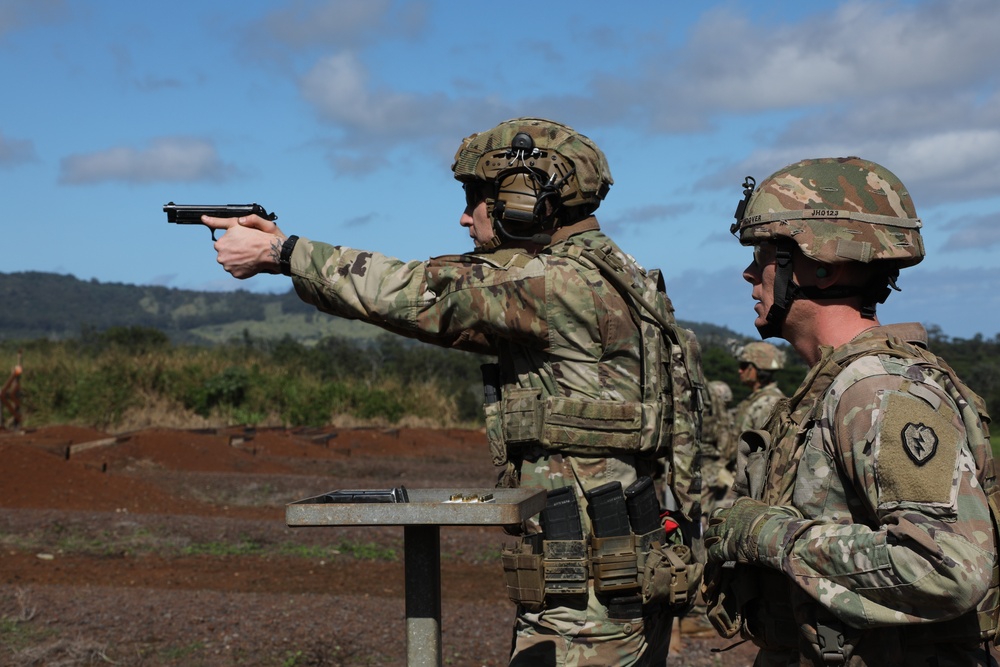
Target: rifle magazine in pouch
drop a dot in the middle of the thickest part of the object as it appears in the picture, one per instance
(565, 567)
(494, 433)
(613, 562)
(521, 415)
(523, 575)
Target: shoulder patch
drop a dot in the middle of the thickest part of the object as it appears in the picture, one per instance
(917, 451)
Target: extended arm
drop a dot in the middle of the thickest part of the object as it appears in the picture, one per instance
(453, 301)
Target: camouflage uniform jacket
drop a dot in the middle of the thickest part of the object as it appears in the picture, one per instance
(752, 411)
(554, 323)
(896, 528)
(718, 452)
(557, 328)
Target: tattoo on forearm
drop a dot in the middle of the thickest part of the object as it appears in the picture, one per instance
(276, 250)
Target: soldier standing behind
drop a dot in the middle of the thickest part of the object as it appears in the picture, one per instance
(759, 362)
(10, 397)
(568, 407)
(868, 535)
(718, 460)
(718, 447)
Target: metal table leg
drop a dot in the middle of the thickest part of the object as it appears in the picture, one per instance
(422, 547)
(422, 517)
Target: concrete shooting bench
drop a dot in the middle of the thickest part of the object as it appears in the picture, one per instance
(422, 517)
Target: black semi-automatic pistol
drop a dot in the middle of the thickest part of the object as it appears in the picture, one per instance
(394, 495)
(190, 214)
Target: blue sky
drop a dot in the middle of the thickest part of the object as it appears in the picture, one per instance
(343, 117)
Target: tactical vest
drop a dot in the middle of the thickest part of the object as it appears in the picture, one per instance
(767, 471)
(664, 424)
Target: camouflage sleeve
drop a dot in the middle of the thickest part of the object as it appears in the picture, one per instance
(454, 301)
(753, 412)
(900, 529)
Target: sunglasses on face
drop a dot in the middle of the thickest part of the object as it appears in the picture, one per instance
(745, 365)
(763, 254)
(475, 193)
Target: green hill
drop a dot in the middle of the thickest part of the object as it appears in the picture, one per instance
(60, 307)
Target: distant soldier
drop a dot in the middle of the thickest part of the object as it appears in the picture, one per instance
(570, 406)
(868, 533)
(10, 396)
(758, 363)
(718, 460)
(718, 447)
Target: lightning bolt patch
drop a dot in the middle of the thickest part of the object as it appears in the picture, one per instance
(920, 442)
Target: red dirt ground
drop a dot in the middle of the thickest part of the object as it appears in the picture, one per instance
(169, 547)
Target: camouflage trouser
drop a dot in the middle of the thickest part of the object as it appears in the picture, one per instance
(581, 634)
(568, 637)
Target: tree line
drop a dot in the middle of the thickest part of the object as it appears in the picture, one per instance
(105, 378)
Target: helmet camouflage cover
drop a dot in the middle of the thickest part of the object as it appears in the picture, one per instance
(835, 210)
(568, 161)
(721, 391)
(764, 356)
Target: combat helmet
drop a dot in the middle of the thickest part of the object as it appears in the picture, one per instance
(835, 211)
(764, 356)
(535, 174)
(721, 391)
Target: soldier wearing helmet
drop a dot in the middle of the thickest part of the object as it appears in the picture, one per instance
(865, 534)
(534, 177)
(758, 363)
(10, 397)
(565, 401)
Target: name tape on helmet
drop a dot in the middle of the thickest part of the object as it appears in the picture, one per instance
(829, 214)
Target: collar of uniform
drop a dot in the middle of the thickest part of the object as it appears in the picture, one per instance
(911, 332)
(588, 224)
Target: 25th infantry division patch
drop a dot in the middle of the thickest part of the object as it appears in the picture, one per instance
(920, 442)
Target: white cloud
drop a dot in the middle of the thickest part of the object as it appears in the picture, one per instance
(340, 89)
(862, 49)
(332, 24)
(15, 152)
(640, 216)
(913, 86)
(978, 233)
(360, 220)
(18, 14)
(169, 159)
(965, 159)
(904, 84)
(372, 121)
(336, 21)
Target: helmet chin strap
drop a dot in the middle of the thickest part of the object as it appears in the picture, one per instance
(540, 239)
(490, 245)
(501, 236)
(786, 291)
